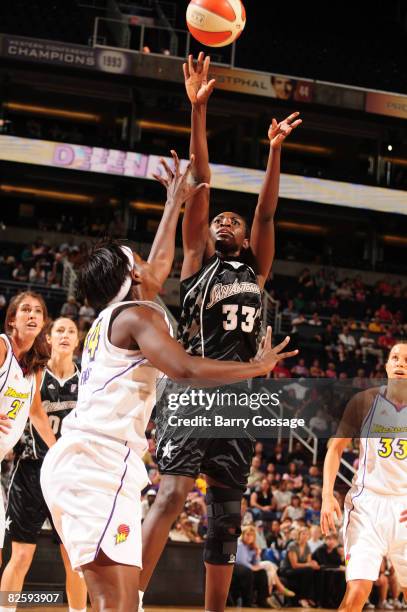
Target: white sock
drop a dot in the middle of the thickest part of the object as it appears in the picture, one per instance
(140, 601)
(7, 609)
(77, 609)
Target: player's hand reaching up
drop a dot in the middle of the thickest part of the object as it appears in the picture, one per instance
(278, 132)
(271, 356)
(180, 187)
(330, 508)
(196, 79)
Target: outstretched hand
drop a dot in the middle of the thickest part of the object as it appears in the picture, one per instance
(278, 132)
(196, 79)
(180, 187)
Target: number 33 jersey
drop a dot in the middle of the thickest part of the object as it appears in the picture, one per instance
(58, 399)
(221, 311)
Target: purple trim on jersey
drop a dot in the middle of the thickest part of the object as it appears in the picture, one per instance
(7, 373)
(133, 365)
(392, 403)
(114, 505)
(365, 461)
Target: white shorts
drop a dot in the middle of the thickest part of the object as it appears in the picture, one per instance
(92, 486)
(372, 530)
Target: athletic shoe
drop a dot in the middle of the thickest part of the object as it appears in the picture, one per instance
(397, 605)
(368, 606)
(274, 603)
(385, 605)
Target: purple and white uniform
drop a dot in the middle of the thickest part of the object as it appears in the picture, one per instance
(93, 476)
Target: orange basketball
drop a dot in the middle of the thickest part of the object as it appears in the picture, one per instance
(216, 23)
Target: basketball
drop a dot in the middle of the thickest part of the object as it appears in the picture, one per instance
(216, 23)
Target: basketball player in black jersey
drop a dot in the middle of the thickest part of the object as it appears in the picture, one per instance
(224, 270)
(26, 507)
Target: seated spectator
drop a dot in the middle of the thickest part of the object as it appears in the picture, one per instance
(271, 473)
(294, 511)
(375, 326)
(319, 424)
(19, 273)
(313, 514)
(306, 496)
(330, 371)
(247, 516)
(70, 309)
(147, 503)
(262, 504)
(368, 347)
(327, 554)
(300, 569)
(255, 474)
(183, 530)
(314, 476)
(298, 455)
(290, 311)
(293, 476)
(383, 314)
(249, 557)
(282, 497)
(316, 370)
(328, 338)
(386, 341)
(315, 539)
(281, 371)
(315, 320)
(279, 456)
(86, 313)
(347, 339)
(300, 370)
(37, 274)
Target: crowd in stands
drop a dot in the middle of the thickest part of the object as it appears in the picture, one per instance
(282, 558)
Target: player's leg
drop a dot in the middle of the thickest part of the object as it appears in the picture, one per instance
(16, 569)
(113, 587)
(356, 595)
(76, 590)
(226, 466)
(168, 505)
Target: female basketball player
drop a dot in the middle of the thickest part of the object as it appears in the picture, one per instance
(224, 270)
(375, 506)
(93, 477)
(26, 507)
(23, 354)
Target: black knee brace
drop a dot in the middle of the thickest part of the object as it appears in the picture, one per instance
(224, 520)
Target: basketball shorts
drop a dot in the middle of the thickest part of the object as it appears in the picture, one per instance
(372, 530)
(26, 508)
(185, 453)
(92, 486)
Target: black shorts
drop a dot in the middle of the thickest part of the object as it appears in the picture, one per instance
(26, 508)
(181, 454)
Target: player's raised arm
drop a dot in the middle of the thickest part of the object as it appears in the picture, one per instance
(179, 188)
(262, 241)
(195, 226)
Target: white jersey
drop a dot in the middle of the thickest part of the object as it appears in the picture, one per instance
(16, 395)
(383, 449)
(117, 387)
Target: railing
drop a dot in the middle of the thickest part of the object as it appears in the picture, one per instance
(10, 288)
(271, 315)
(348, 467)
(122, 34)
(311, 443)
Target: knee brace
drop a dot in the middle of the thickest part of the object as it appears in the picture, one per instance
(224, 520)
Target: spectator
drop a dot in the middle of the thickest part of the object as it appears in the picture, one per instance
(383, 314)
(300, 370)
(315, 320)
(316, 370)
(313, 514)
(279, 456)
(282, 496)
(86, 313)
(19, 273)
(293, 476)
(315, 539)
(330, 372)
(294, 511)
(300, 569)
(248, 556)
(319, 424)
(375, 326)
(261, 502)
(255, 475)
(347, 339)
(327, 554)
(70, 308)
(386, 341)
(37, 274)
(367, 345)
(281, 371)
(147, 503)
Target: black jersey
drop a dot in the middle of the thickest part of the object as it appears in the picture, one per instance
(58, 398)
(221, 311)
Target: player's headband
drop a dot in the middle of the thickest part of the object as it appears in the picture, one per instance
(125, 288)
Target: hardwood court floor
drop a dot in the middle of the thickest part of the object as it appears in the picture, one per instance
(168, 609)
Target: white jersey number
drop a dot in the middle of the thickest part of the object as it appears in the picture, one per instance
(249, 314)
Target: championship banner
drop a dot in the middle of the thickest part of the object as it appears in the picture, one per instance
(386, 104)
(64, 54)
(230, 178)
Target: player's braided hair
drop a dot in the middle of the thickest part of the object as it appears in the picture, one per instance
(102, 273)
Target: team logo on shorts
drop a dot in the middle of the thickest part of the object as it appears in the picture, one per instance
(347, 559)
(122, 534)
